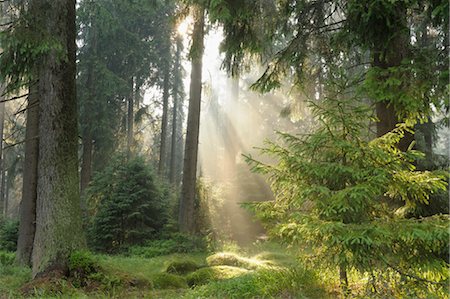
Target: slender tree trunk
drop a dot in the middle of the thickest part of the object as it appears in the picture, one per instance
(87, 138)
(4, 195)
(174, 141)
(130, 120)
(164, 121)
(187, 203)
(343, 279)
(86, 163)
(58, 213)
(28, 203)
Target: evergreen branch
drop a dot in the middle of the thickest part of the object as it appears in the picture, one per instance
(412, 276)
(14, 98)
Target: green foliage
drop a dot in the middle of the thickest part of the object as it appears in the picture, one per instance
(9, 230)
(82, 266)
(126, 204)
(175, 243)
(169, 281)
(269, 283)
(346, 197)
(6, 258)
(182, 267)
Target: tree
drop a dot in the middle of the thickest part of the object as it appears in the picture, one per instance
(30, 180)
(302, 39)
(166, 66)
(58, 212)
(127, 205)
(176, 115)
(335, 192)
(187, 202)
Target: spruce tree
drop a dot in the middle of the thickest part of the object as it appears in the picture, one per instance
(347, 198)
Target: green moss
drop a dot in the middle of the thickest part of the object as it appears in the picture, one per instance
(169, 281)
(214, 273)
(182, 267)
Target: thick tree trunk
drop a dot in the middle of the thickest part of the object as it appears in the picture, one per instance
(2, 161)
(163, 147)
(391, 56)
(28, 203)
(174, 137)
(130, 120)
(187, 202)
(58, 213)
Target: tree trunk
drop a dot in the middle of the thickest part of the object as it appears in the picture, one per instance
(187, 202)
(130, 120)
(3, 194)
(164, 121)
(58, 212)
(2, 161)
(86, 164)
(28, 203)
(391, 56)
(343, 279)
(87, 138)
(174, 139)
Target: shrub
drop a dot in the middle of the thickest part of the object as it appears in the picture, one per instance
(6, 258)
(82, 267)
(176, 243)
(265, 283)
(169, 281)
(9, 230)
(127, 205)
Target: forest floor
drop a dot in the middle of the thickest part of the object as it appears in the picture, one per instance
(266, 271)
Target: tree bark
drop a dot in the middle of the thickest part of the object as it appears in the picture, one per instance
(3, 205)
(187, 202)
(58, 212)
(28, 203)
(174, 141)
(163, 146)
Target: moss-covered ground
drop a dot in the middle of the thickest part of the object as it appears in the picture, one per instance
(255, 273)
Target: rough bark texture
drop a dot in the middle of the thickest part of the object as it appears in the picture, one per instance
(174, 137)
(3, 205)
(163, 147)
(28, 203)
(187, 202)
(58, 213)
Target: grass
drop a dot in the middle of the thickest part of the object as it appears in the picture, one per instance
(256, 274)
